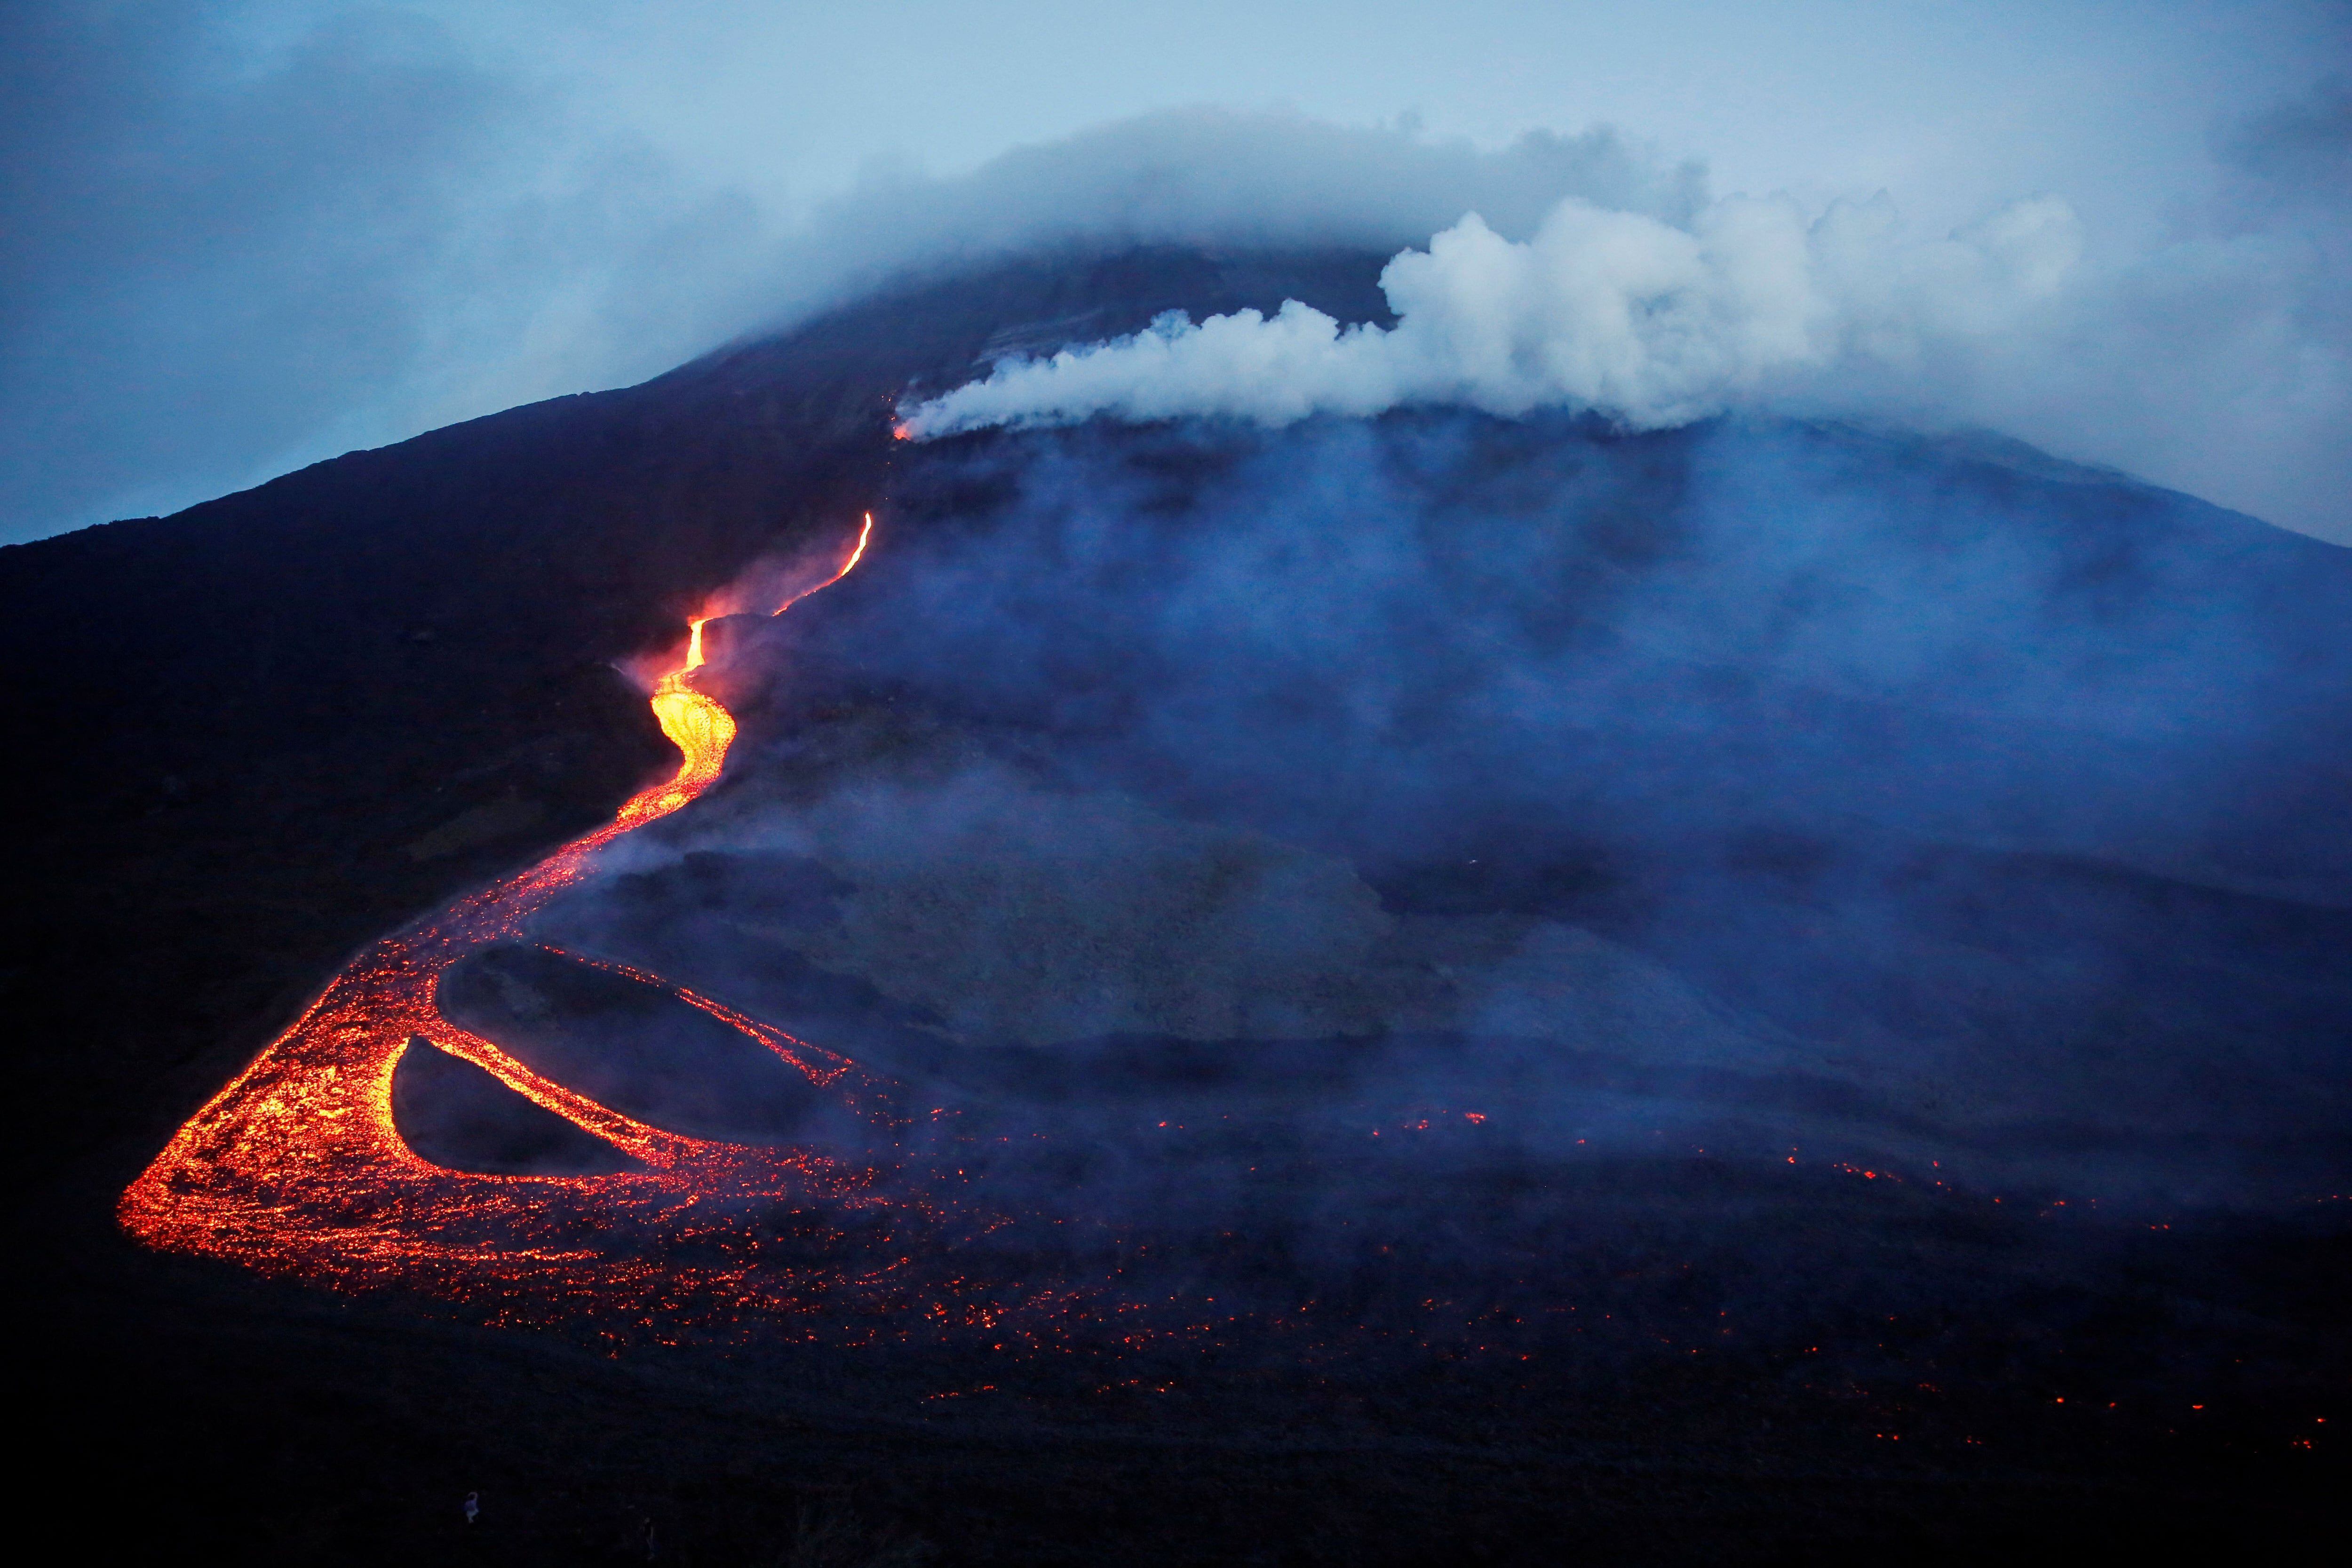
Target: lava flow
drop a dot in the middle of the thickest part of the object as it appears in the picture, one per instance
(297, 1168)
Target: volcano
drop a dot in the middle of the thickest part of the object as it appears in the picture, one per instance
(1417, 989)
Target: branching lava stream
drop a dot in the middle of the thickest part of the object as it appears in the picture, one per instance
(297, 1168)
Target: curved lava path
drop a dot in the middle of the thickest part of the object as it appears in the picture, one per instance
(296, 1168)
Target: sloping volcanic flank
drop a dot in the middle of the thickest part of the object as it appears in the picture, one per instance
(276, 724)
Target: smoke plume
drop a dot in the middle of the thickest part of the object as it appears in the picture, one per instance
(1616, 312)
(2217, 362)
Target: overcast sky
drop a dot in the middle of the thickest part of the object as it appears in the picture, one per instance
(239, 237)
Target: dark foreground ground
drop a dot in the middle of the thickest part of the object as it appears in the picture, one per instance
(254, 736)
(187, 1406)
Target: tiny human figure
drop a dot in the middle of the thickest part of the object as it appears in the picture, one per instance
(473, 1506)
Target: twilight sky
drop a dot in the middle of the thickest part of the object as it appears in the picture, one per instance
(244, 236)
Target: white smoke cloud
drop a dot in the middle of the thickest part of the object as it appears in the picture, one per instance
(1647, 321)
(2218, 363)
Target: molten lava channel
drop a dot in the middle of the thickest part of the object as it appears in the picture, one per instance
(297, 1168)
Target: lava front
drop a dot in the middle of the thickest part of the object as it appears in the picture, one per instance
(297, 1168)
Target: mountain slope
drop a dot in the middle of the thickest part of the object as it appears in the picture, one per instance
(278, 722)
(271, 727)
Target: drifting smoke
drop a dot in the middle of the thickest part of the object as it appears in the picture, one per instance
(1618, 789)
(1615, 312)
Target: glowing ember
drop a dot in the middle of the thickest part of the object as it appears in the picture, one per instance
(298, 1169)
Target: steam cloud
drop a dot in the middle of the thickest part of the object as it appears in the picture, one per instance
(1648, 323)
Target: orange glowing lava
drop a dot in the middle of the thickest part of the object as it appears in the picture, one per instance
(297, 1168)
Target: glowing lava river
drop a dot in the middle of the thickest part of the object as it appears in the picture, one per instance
(297, 1168)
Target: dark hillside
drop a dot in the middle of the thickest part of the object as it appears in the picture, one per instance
(274, 724)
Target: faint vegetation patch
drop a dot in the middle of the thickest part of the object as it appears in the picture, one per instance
(835, 1537)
